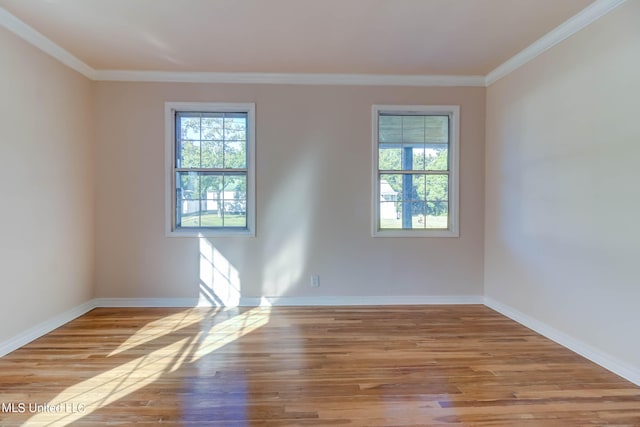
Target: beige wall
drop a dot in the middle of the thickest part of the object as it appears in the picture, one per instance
(313, 197)
(47, 245)
(562, 202)
(561, 207)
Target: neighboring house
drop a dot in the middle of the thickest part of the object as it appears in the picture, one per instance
(388, 199)
(229, 197)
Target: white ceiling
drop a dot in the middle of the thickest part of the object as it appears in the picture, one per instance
(386, 37)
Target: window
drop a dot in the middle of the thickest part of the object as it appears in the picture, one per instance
(210, 173)
(415, 183)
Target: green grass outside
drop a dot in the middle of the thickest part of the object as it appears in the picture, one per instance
(235, 220)
(418, 222)
(213, 220)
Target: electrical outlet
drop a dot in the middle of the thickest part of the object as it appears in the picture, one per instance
(315, 280)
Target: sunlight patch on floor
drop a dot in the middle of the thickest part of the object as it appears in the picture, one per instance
(231, 330)
(120, 381)
(161, 327)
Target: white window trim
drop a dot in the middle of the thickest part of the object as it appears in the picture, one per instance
(170, 109)
(454, 113)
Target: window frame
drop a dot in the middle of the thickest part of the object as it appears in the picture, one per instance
(453, 111)
(171, 108)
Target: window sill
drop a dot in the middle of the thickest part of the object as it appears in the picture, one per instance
(209, 232)
(416, 233)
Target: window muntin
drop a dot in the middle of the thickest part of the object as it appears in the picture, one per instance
(415, 182)
(211, 169)
(207, 199)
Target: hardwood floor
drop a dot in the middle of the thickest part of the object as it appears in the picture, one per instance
(303, 366)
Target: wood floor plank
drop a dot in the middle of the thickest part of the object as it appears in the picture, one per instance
(307, 366)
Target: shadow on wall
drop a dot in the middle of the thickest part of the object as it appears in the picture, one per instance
(273, 264)
(289, 224)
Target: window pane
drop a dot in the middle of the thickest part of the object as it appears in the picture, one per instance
(437, 187)
(437, 129)
(188, 202)
(413, 161)
(409, 129)
(419, 158)
(212, 192)
(419, 190)
(211, 185)
(235, 154)
(410, 185)
(439, 216)
(190, 218)
(437, 157)
(235, 187)
(389, 129)
(212, 126)
(206, 199)
(211, 142)
(187, 185)
(235, 127)
(212, 154)
(418, 210)
(413, 129)
(407, 155)
(390, 187)
(414, 201)
(390, 192)
(235, 213)
(189, 156)
(406, 214)
(189, 128)
(414, 211)
(390, 215)
(389, 158)
(212, 218)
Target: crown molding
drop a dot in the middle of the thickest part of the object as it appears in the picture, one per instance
(30, 35)
(574, 24)
(294, 79)
(37, 39)
(591, 13)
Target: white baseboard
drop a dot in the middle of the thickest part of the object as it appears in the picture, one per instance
(293, 301)
(605, 360)
(145, 302)
(362, 300)
(599, 357)
(44, 328)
